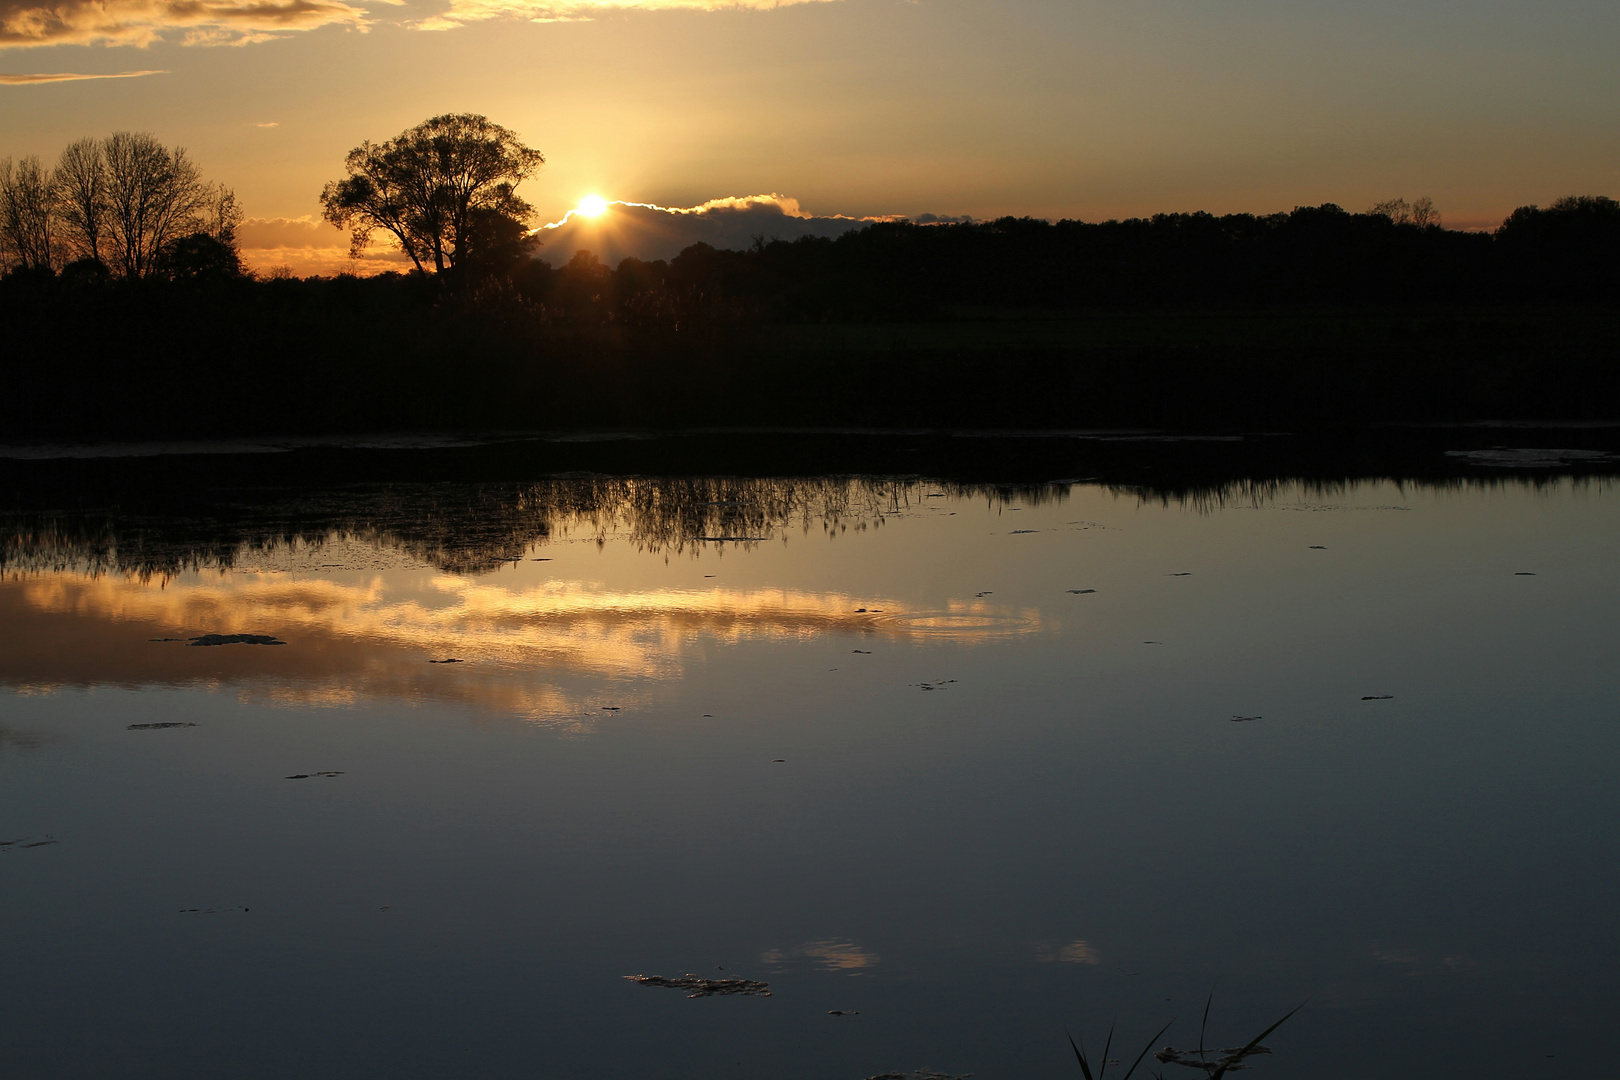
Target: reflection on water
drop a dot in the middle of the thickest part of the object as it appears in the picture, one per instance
(731, 770)
(375, 637)
(405, 577)
(831, 955)
(464, 528)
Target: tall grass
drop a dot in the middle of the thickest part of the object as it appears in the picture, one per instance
(1228, 1060)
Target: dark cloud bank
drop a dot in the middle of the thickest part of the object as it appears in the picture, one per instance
(643, 231)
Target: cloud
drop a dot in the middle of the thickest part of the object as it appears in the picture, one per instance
(462, 12)
(646, 231)
(308, 247)
(268, 123)
(141, 22)
(68, 76)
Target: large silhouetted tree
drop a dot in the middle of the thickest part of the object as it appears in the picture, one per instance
(435, 189)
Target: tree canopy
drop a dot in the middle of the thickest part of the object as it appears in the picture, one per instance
(445, 190)
(120, 202)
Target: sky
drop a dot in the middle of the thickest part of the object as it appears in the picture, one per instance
(1086, 109)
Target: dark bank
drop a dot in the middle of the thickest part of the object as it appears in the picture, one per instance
(1190, 321)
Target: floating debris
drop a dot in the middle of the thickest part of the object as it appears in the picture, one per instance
(862, 652)
(1241, 719)
(778, 761)
(1318, 547)
(611, 708)
(209, 910)
(1020, 532)
(1183, 573)
(732, 540)
(1377, 697)
(701, 987)
(1230, 1059)
(540, 560)
(933, 685)
(1153, 643)
(165, 639)
(986, 592)
(920, 1074)
(1524, 573)
(159, 727)
(41, 843)
(843, 1012)
(236, 639)
(448, 660)
(306, 775)
(1080, 592)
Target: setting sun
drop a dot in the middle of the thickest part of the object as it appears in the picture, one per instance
(591, 206)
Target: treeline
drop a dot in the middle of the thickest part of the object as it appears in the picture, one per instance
(1192, 321)
(1568, 252)
(125, 206)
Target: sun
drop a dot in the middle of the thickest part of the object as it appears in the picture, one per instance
(591, 206)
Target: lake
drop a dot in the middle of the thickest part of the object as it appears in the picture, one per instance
(956, 758)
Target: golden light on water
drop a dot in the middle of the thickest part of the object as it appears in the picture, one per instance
(525, 646)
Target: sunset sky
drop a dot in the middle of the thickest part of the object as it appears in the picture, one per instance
(860, 107)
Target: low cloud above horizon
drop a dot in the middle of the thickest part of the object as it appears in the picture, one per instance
(70, 76)
(645, 231)
(309, 246)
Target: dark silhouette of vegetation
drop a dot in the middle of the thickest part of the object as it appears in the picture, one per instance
(446, 191)
(1183, 320)
(127, 202)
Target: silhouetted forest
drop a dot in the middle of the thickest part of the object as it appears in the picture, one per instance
(1187, 320)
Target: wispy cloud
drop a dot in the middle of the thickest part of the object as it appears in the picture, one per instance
(26, 23)
(268, 123)
(462, 12)
(70, 76)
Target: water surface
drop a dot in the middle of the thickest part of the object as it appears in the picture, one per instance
(977, 763)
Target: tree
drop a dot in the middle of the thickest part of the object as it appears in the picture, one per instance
(154, 196)
(1421, 213)
(440, 189)
(28, 215)
(81, 194)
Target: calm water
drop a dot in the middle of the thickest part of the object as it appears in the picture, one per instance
(1014, 794)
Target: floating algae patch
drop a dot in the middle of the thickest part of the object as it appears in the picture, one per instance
(160, 727)
(701, 987)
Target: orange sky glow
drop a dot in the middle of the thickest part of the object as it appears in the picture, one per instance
(854, 108)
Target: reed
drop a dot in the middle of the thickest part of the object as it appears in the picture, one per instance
(1215, 1068)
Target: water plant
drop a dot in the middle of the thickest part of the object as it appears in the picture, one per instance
(1226, 1060)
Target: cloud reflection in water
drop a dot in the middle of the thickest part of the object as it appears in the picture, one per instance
(525, 647)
